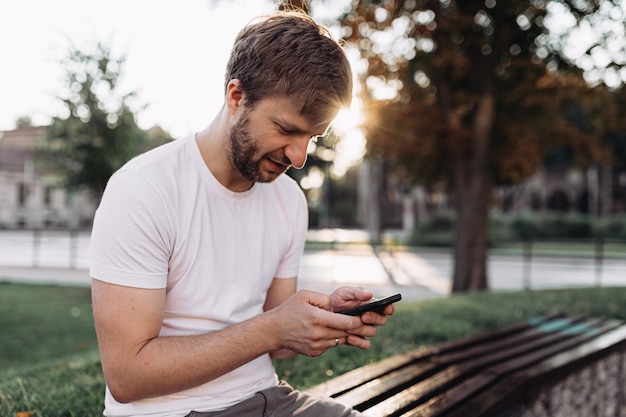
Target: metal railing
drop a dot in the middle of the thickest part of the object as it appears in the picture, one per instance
(45, 248)
(600, 252)
(528, 264)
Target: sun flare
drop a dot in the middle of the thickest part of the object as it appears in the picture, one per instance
(351, 146)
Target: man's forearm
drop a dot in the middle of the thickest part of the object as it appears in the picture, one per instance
(165, 365)
(283, 354)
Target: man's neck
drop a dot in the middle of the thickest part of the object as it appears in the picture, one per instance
(213, 144)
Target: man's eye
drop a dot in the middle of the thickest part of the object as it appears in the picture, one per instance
(288, 132)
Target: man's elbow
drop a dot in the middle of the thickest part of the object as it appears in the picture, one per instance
(121, 395)
(122, 391)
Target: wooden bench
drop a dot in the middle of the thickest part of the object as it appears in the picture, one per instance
(506, 372)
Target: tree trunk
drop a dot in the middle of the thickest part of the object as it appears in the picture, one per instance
(470, 248)
(372, 189)
(473, 187)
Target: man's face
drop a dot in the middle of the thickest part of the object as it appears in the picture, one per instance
(246, 156)
(268, 139)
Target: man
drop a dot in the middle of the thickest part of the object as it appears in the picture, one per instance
(196, 245)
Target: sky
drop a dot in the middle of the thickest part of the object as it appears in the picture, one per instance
(176, 52)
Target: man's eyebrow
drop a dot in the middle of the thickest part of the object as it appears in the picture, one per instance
(288, 126)
(294, 129)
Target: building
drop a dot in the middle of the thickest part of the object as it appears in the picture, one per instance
(30, 193)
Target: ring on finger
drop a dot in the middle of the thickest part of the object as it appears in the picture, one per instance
(336, 341)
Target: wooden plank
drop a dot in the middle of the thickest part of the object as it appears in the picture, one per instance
(513, 386)
(484, 337)
(350, 380)
(362, 375)
(468, 373)
(415, 375)
(379, 389)
(456, 397)
(530, 336)
(464, 379)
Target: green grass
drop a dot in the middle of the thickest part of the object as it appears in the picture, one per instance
(49, 360)
(573, 248)
(44, 322)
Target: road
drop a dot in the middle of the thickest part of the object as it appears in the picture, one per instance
(416, 273)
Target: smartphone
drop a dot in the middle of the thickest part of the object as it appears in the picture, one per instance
(374, 305)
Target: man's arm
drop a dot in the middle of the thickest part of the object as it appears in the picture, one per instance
(139, 364)
(280, 290)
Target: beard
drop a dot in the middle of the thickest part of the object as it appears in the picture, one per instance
(244, 155)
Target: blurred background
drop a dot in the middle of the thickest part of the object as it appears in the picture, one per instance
(480, 127)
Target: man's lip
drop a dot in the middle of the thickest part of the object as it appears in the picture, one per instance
(276, 166)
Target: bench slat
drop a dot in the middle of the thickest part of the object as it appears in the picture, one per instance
(427, 377)
(475, 376)
(505, 391)
(364, 374)
(359, 376)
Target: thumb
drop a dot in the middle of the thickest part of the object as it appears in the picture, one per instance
(354, 293)
(315, 298)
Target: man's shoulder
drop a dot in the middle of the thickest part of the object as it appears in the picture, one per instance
(158, 154)
(158, 167)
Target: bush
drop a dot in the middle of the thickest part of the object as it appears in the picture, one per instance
(525, 226)
(552, 225)
(438, 230)
(613, 227)
(500, 228)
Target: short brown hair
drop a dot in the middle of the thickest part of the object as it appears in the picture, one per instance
(289, 54)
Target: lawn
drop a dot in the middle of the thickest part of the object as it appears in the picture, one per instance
(49, 360)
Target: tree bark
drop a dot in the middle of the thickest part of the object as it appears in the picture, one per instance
(473, 187)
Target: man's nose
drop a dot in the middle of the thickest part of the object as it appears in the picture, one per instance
(297, 152)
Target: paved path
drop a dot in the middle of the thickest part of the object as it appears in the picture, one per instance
(417, 274)
(321, 270)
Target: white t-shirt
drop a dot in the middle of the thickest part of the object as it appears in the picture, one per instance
(166, 222)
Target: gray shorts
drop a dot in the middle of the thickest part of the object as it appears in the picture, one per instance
(283, 401)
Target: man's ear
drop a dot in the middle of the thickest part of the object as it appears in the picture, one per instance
(235, 97)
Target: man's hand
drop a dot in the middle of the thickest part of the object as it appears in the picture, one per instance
(347, 297)
(308, 326)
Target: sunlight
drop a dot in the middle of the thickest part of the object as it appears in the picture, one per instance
(351, 148)
(315, 179)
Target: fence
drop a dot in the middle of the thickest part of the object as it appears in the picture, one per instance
(602, 253)
(529, 264)
(45, 248)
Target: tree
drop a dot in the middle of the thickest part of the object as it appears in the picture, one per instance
(23, 121)
(99, 133)
(480, 92)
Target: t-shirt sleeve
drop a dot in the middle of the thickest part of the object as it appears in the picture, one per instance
(130, 237)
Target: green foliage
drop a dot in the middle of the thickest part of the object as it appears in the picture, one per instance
(57, 380)
(99, 133)
(452, 66)
(553, 225)
(476, 94)
(73, 387)
(613, 227)
(48, 352)
(438, 230)
(45, 322)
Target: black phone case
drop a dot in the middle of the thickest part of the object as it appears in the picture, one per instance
(372, 306)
